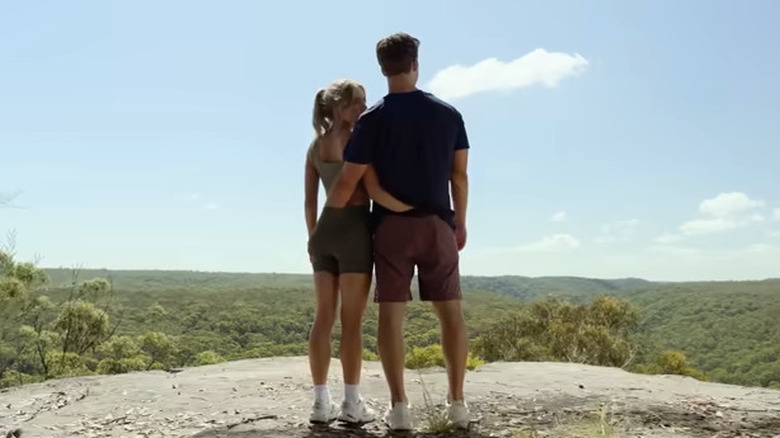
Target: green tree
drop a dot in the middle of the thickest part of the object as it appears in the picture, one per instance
(41, 338)
(433, 356)
(82, 326)
(159, 347)
(675, 362)
(557, 330)
(208, 358)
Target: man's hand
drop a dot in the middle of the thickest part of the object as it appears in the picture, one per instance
(460, 236)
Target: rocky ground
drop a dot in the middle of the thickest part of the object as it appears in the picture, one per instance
(271, 398)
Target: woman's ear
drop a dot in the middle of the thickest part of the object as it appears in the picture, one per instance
(338, 114)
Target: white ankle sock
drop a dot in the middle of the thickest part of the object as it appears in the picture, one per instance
(352, 393)
(321, 393)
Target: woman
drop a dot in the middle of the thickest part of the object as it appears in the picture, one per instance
(341, 251)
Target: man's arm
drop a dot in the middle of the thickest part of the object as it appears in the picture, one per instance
(357, 156)
(345, 184)
(459, 182)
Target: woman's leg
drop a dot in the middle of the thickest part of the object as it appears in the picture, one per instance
(326, 289)
(354, 296)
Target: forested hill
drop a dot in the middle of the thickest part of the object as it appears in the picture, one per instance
(574, 288)
(195, 280)
(527, 288)
(727, 330)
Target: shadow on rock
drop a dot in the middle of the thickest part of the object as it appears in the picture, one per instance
(13, 433)
(333, 432)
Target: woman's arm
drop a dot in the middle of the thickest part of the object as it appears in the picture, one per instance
(311, 189)
(380, 195)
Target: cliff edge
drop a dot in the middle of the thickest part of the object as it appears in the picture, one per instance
(271, 398)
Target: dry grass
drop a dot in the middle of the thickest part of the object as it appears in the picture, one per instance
(601, 423)
(436, 420)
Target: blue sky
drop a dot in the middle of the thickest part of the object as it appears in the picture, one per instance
(627, 138)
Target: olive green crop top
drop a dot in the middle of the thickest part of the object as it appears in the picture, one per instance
(328, 170)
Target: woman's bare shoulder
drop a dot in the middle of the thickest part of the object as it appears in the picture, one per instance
(311, 151)
(328, 148)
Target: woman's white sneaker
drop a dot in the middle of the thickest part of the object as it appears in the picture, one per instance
(398, 417)
(356, 412)
(324, 412)
(458, 414)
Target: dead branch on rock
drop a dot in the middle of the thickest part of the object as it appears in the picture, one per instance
(252, 420)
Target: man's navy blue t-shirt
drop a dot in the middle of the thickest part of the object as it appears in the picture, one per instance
(410, 138)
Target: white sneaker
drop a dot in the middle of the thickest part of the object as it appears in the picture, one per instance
(458, 413)
(356, 412)
(399, 417)
(324, 412)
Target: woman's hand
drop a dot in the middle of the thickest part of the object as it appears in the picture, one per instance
(380, 195)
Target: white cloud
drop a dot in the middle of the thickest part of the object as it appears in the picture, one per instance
(776, 214)
(677, 250)
(662, 262)
(668, 238)
(729, 204)
(761, 247)
(198, 200)
(718, 224)
(708, 226)
(725, 212)
(6, 199)
(715, 254)
(536, 67)
(188, 197)
(554, 243)
(626, 225)
(559, 216)
(622, 231)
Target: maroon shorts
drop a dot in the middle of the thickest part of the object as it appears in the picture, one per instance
(402, 243)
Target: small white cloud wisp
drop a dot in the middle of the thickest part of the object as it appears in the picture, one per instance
(554, 243)
(619, 231)
(559, 217)
(538, 67)
(6, 199)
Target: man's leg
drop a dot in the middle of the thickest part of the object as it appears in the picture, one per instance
(455, 343)
(391, 348)
(394, 271)
(439, 278)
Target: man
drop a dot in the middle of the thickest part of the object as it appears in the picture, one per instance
(419, 148)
